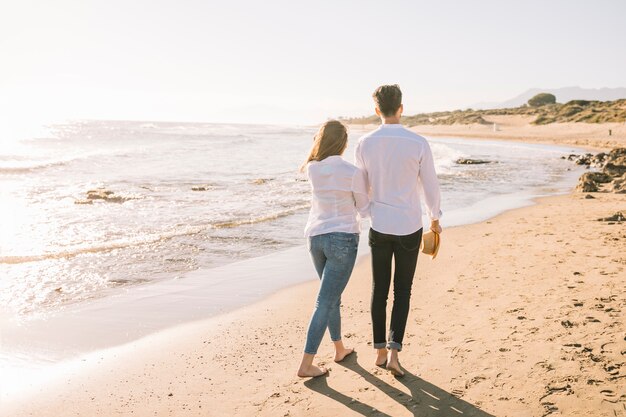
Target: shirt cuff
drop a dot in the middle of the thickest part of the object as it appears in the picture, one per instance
(435, 216)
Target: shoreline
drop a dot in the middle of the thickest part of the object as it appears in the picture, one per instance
(110, 322)
(591, 136)
(189, 361)
(75, 363)
(120, 318)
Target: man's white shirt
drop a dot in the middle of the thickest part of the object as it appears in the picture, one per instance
(398, 169)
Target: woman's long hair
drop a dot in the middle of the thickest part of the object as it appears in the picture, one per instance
(330, 140)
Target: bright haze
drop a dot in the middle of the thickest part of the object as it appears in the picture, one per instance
(290, 61)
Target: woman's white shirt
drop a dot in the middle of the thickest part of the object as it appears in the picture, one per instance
(339, 197)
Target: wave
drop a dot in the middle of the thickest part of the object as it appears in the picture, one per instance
(146, 240)
(253, 220)
(445, 157)
(24, 169)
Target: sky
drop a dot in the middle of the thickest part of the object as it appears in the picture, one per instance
(293, 62)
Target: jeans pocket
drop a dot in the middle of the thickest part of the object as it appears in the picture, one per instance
(343, 245)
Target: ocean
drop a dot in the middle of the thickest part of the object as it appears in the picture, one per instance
(182, 197)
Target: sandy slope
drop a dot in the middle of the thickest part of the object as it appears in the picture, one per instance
(518, 316)
(591, 135)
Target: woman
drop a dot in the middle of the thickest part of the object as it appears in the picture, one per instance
(332, 231)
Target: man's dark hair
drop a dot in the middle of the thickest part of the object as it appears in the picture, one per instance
(388, 99)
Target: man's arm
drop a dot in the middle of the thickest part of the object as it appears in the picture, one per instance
(430, 188)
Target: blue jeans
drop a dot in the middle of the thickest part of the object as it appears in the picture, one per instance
(334, 255)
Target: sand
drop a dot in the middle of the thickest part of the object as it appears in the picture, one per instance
(521, 315)
(590, 135)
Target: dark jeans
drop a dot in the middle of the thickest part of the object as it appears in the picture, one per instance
(404, 250)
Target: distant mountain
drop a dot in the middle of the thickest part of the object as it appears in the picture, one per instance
(563, 95)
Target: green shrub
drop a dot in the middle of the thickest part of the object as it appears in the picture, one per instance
(578, 103)
(570, 111)
(542, 99)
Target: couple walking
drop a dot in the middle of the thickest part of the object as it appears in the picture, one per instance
(394, 170)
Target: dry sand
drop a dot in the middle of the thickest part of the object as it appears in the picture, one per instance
(521, 315)
(590, 135)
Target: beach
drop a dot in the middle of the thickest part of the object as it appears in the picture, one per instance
(594, 136)
(159, 166)
(520, 315)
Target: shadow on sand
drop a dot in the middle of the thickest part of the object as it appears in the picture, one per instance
(425, 400)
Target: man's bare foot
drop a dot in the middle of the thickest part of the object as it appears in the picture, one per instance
(381, 357)
(342, 353)
(312, 371)
(394, 368)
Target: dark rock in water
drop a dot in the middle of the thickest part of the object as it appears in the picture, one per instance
(199, 188)
(616, 153)
(599, 177)
(106, 195)
(615, 167)
(589, 196)
(467, 161)
(591, 160)
(588, 159)
(99, 192)
(83, 202)
(598, 159)
(260, 181)
(618, 185)
(583, 159)
(617, 217)
(587, 187)
(586, 184)
(613, 172)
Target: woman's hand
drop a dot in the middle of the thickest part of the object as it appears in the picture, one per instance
(435, 226)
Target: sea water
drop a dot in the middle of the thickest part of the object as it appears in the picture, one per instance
(194, 196)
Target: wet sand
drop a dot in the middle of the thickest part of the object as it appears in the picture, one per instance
(521, 315)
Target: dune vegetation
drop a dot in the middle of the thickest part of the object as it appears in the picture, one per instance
(584, 111)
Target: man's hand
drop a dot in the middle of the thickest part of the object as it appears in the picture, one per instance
(435, 226)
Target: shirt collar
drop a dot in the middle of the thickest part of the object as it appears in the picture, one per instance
(332, 158)
(391, 125)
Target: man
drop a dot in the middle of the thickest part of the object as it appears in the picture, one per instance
(397, 166)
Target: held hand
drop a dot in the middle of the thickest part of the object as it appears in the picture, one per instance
(435, 226)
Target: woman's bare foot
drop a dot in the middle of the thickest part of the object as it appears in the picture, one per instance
(308, 370)
(312, 371)
(381, 357)
(342, 353)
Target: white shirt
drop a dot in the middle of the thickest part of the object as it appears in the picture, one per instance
(398, 166)
(339, 194)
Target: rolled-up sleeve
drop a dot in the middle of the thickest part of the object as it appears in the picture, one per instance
(429, 184)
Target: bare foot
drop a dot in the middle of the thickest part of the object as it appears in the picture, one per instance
(381, 358)
(394, 368)
(342, 353)
(311, 371)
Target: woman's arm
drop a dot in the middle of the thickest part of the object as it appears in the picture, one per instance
(360, 193)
